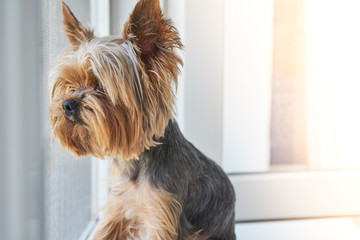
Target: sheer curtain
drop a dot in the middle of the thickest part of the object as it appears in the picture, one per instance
(68, 180)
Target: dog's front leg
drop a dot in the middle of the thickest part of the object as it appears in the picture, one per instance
(113, 228)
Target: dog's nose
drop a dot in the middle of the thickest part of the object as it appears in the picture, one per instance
(70, 106)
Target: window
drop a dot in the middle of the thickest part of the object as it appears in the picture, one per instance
(269, 90)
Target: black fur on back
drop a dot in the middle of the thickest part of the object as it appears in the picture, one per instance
(199, 184)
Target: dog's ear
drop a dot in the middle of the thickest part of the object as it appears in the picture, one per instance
(147, 28)
(74, 30)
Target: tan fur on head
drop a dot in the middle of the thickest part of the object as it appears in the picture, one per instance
(157, 41)
(138, 74)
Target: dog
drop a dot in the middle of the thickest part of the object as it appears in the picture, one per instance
(114, 96)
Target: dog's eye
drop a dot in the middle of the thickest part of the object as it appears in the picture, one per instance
(99, 87)
(71, 89)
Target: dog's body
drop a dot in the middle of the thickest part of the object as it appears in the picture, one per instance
(201, 199)
(114, 97)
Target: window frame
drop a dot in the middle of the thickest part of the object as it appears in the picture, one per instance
(296, 195)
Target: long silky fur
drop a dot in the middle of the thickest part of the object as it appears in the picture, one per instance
(161, 186)
(145, 212)
(139, 102)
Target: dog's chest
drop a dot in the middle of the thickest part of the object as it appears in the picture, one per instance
(142, 207)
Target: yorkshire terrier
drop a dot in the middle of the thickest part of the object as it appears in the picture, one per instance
(114, 96)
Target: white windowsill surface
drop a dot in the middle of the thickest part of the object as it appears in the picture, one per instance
(313, 229)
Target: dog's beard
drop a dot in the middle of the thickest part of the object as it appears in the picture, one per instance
(99, 128)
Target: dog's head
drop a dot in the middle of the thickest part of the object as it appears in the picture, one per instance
(114, 95)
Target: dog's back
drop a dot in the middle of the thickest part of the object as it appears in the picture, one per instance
(201, 186)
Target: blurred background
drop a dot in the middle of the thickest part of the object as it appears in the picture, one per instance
(269, 90)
